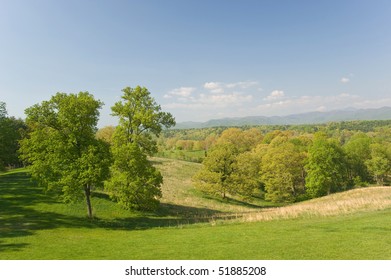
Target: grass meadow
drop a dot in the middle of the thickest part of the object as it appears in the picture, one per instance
(188, 225)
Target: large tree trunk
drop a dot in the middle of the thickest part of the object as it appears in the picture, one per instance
(87, 191)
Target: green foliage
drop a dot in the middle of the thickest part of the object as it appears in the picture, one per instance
(11, 131)
(326, 167)
(61, 145)
(215, 176)
(140, 117)
(379, 163)
(242, 140)
(106, 133)
(282, 171)
(358, 152)
(134, 182)
(245, 178)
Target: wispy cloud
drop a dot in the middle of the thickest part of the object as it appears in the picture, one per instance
(180, 92)
(243, 85)
(307, 103)
(345, 80)
(238, 99)
(214, 87)
(275, 95)
(212, 96)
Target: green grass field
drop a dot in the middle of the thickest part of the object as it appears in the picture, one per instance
(33, 225)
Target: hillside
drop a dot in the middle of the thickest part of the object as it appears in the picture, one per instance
(35, 226)
(349, 114)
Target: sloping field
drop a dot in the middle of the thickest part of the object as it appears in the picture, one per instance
(349, 202)
(350, 225)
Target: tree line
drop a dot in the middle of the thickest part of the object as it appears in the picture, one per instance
(11, 131)
(64, 155)
(289, 166)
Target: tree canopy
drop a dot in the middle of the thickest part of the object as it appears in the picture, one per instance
(11, 131)
(140, 117)
(134, 181)
(61, 145)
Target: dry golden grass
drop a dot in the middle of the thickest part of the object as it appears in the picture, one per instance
(180, 198)
(349, 202)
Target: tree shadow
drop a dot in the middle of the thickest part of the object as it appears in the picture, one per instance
(12, 247)
(18, 218)
(101, 195)
(233, 201)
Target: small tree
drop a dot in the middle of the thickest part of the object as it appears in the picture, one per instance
(61, 145)
(134, 182)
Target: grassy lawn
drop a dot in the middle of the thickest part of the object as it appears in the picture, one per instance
(33, 225)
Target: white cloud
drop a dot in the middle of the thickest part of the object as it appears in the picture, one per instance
(212, 85)
(180, 92)
(307, 103)
(201, 104)
(217, 99)
(345, 80)
(212, 101)
(225, 99)
(242, 85)
(210, 96)
(275, 95)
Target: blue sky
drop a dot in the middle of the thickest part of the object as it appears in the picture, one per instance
(199, 59)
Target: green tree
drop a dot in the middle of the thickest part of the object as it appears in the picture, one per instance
(245, 177)
(358, 152)
(243, 140)
(134, 182)
(106, 133)
(140, 117)
(282, 171)
(215, 176)
(61, 145)
(11, 131)
(379, 163)
(326, 167)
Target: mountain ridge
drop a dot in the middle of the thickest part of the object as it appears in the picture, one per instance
(315, 117)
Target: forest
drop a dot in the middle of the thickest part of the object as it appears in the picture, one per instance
(285, 163)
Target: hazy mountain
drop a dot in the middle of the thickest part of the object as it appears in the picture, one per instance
(348, 114)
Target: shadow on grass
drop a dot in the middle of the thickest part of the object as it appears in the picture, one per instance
(232, 201)
(12, 247)
(18, 216)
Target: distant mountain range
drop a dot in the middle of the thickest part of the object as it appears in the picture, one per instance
(348, 114)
